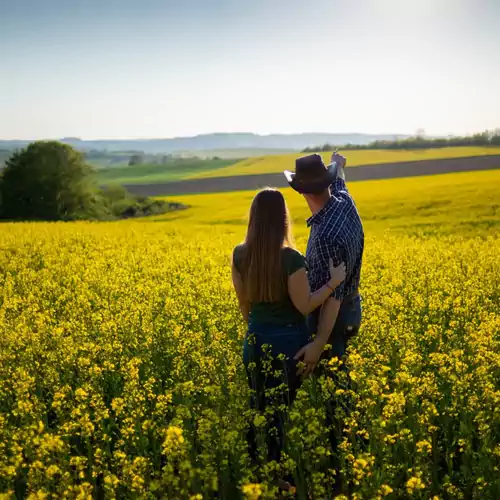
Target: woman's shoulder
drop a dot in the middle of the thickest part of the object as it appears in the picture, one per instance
(293, 259)
(238, 252)
(291, 252)
(239, 248)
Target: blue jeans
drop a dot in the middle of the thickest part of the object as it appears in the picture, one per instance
(268, 354)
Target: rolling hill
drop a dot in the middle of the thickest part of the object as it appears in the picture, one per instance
(218, 141)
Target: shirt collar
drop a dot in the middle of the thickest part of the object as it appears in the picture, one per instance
(317, 218)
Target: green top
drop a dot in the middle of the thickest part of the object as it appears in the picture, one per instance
(276, 313)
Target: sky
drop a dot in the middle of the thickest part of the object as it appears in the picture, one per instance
(162, 68)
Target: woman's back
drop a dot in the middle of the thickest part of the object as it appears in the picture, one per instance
(281, 312)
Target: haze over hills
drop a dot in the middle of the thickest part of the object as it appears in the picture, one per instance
(216, 141)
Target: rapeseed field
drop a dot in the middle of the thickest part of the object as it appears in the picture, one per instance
(120, 355)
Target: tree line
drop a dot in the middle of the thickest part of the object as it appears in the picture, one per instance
(49, 180)
(487, 138)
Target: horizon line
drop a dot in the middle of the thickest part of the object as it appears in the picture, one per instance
(152, 138)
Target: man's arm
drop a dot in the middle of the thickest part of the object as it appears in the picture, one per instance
(339, 187)
(341, 162)
(312, 351)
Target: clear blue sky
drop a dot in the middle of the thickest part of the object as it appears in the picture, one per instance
(162, 68)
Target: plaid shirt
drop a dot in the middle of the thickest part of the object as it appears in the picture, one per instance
(337, 233)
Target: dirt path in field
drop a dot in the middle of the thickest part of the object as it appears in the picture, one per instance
(360, 173)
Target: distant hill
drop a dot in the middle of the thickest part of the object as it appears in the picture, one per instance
(219, 141)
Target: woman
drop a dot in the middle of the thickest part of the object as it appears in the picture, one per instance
(270, 280)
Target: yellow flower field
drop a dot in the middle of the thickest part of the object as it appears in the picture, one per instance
(120, 355)
(271, 164)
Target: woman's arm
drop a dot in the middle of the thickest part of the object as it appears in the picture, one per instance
(300, 291)
(311, 353)
(240, 293)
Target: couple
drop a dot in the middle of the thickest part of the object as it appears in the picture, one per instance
(285, 297)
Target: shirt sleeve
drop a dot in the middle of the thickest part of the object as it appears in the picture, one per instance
(295, 262)
(328, 251)
(237, 258)
(339, 189)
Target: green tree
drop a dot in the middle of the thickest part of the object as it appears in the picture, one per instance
(495, 137)
(47, 180)
(136, 159)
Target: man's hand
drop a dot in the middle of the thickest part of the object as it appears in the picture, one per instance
(310, 355)
(341, 162)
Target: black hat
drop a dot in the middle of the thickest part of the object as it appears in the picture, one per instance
(311, 175)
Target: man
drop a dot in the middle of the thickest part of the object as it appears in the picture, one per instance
(336, 233)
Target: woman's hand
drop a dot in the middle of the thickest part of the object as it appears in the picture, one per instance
(310, 355)
(337, 274)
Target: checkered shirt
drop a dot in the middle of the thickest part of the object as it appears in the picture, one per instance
(337, 233)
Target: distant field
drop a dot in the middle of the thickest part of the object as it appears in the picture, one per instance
(278, 163)
(114, 159)
(110, 161)
(231, 154)
(465, 203)
(155, 173)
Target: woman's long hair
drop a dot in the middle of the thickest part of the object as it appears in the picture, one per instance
(269, 230)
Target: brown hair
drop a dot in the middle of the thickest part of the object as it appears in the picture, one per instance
(269, 230)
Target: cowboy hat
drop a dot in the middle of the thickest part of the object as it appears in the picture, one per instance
(311, 175)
